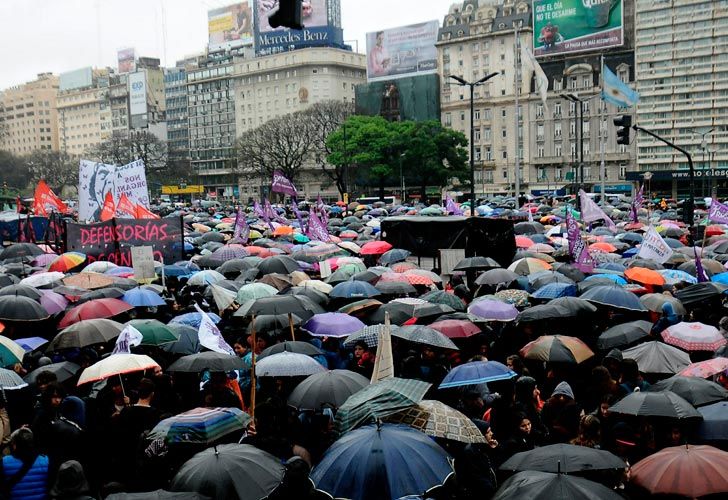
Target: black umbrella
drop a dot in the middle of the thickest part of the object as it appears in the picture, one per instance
(700, 292)
(273, 324)
(563, 307)
(247, 275)
(295, 346)
(282, 264)
(208, 360)
(188, 341)
(63, 371)
(624, 334)
(696, 391)
(476, 263)
(20, 269)
(395, 288)
(21, 250)
(102, 293)
(233, 267)
(302, 307)
(655, 404)
(8, 279)
(21, 290)
(528, 228)
(19, 308)
(326, 389)
(398, 314)
(230, 471)
(368, 276)
(563, 458)
(535, 485)
(496, 277)
(303, 291)
(158, 495)
(86, 332)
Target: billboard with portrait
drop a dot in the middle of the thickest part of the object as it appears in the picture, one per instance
(403, 51)
(126, 58)
(231, 26)
(319, 30)
(567, 26)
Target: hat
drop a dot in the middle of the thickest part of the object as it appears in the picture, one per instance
(565, 389)
(614, 354)
(70, 480)
(44, 361)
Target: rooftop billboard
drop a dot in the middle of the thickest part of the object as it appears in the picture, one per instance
(231, 26)
(403, 51)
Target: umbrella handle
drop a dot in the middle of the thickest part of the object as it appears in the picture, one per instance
(121, 381)
(290, 325)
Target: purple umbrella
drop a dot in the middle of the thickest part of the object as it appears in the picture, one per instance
(493, 310)
(333, 325)
(53, 302)
(45, 259)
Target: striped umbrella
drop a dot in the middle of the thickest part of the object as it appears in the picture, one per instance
(557, 348)
(10, 352)
(368, 334)
(201, 425)
(693, 336)
(67, 261)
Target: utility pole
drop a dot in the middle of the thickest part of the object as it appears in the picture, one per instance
(517, 81)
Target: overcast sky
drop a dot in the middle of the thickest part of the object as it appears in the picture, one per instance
(60, 35)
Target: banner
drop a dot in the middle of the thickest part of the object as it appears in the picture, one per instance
(637, 204)
(142, 212)
(590, 211)
(125, 58)
(542, 81)
(654, 247)
(577, 248)
(131, 179)
(699, 271)
(452, 207)
(125, 208)
(568, 26)
(231, 26)
(109, 210)
(142, 261)
(403, 51)
(97, 179)
(44, 198)
(112, 240)
(210, 335)
(128, 338)
(282, 184)
(316, 229)
(718, 212)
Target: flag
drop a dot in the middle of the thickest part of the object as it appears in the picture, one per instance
(452, 207)
(128, 337)
(322, 210)
(297, 213)
(142, 212)
(577, 247)
(210, 335)
(18, 204)
(590, 211)
(718, 212)
(109, 210)
(242, 230)
(125, 208)
(44, 197)
(653, 247)
(282, 184)
(383, 362)
(699, 271)
(615, 91)
(530, 215)
(316, 229)
(542, 81)
(637, 203)
(263, 214)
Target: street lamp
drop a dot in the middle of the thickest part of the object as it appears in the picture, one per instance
(472, 86)
(704, 146)
(580, 134)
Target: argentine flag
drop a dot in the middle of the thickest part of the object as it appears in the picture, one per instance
(615, 91)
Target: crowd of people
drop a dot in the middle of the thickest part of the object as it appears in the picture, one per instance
(65, 440)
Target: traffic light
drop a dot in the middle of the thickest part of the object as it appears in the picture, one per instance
(623, 122)
(289, 15)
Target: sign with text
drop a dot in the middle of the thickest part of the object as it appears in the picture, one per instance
(567, 26)
(137, 93)
(97, 179)
(142, 260)
(114, 239)
(404, 51)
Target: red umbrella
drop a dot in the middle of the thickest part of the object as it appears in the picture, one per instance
(688, 471)
(456, 328)
(375, 248)
(523, 242)
(94, 309)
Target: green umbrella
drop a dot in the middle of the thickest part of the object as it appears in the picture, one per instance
(154, 332)
(255, 291)
(379, 400)
(441, 297)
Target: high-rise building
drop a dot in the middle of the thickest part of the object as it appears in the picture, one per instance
(29, 116)
(175, 94)
(681, 53)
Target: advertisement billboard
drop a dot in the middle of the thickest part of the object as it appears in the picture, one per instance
(126, 59)
(231, 26)
(76, 79)
(319, 30)
(568, 26)
(137, 93)
(403, 51)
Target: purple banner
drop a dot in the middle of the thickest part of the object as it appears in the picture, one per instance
(637, 204)
(590, 211)
(452, 207)
(242, 230)
(577, 247)
(282, 184)
(322, 210)
(316, 229)
(718, 212)
(297, 213)
(699, 271)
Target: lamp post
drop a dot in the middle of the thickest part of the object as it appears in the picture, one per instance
(580, 134)
(704, 147)
(472, 86)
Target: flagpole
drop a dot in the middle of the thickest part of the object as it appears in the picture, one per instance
(252, 374)
(601, 139)
(517, 79)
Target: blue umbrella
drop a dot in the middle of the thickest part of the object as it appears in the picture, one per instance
(714, 426)
(617, 279)
(193, 319)
(613, 266)
(394, 255)
(142, 297)
(381, 462)
(675, 276)
(175, 271)
(554, 291)
(717, 278)
(614, 296)
(31, 343)
(354, 290)
(477, 372)
(630, 253)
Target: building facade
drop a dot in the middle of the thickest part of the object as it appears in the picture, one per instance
(28, 113)
(681, 51)
(175, 95)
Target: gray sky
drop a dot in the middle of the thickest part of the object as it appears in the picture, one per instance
(61, 35)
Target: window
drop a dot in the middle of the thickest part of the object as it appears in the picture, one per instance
(475, 47)
(486, 133)
(504, 133)
(557, 174)
(462, 116)
(541, 152)
(586, 82)
(572, 128)
(505, 174)
(622, 171)
(476, 114)
(448, 119)
(573, 149)
(585, 127)
(587, 172)
(487, 114)
(503, 112)
(476, 134)
(504, 155)
(557, 109)
(477, 153)
(488, 154)
(539, 111)
(557, 149)
(557, 129)
(586, 106)
(586, 148)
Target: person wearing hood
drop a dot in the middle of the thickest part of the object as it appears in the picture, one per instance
(668, 319)
(527, 400)
(613, 362)
(71, 483)
(561, 414)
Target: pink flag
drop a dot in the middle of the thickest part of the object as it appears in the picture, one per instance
(718, 212)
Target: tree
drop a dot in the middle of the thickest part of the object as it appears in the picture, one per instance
(121, 149)
(323, 119)
(57, 168)
(12, 172)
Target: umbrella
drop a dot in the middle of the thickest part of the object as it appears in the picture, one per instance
(395, 288)
(20, 250)
(335, 325)
(613, 296)
(274, 324)
(564, 307)
(368, 335)
(566, 458)
(700, 292)
(326, 389)
(688, 471)
(654, 302)
(67, 261)
(381, 461)
(9, 380)
(10, 352)
(230, 471)
(84, 333)
(102, 293)
(116, 364)
(154, 332)
(193, 319)
(438, 420)
(659, 358)
(63, 371)
(644, 276)
(200, 426)
(714, 426)
(624, 334)
(496, 277)
(422, 334)
(89, 281)
(19, 308)
(555, 290)
(253, 291)
(442, 297)
(142, 297)
(53, 302)
(42, 279)
(294, 346)
(360, 306)
(282, 264)
(705, 369)
(394, 255)
(696, 391)
(187, 343)
(301, 306)
(693, 336)
(375, 248)
(455, 329)
(208, 360)
(557, 348)
(287, 364)
(476, 263)
(493, 310)
(528, 265)
(477, 372)
(31, 343)
(94, 309)
(206, 277)
(536, 485)
(379, 400)
(655, 404)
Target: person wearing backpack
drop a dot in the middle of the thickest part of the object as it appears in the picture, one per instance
(24, 473)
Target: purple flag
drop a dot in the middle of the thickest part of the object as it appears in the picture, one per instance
(718, 212)
(282, 184)
(263, 214)
(273, 213)
(637, 203)
(316, 229)
(322, 210)
(242, 230)
(452, 207)
(590, 211)
(699, 271)
(577, 247)
(294, 207)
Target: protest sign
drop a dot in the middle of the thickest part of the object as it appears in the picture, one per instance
(654, 247)
(142, 260)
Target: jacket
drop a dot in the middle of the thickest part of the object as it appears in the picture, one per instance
(32, 486)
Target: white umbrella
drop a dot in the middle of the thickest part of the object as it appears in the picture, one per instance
(287, 364)
(317, 285)
(42, 279)
(10, 380)
(100, 266)
(207, 277)
(116, 364)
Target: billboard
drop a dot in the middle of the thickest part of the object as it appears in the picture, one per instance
(76, 79)
(567, 26)
(126, 59)
(404, 51)
(137, 93)
(319, 30)
(95, 180)
(231, 26)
